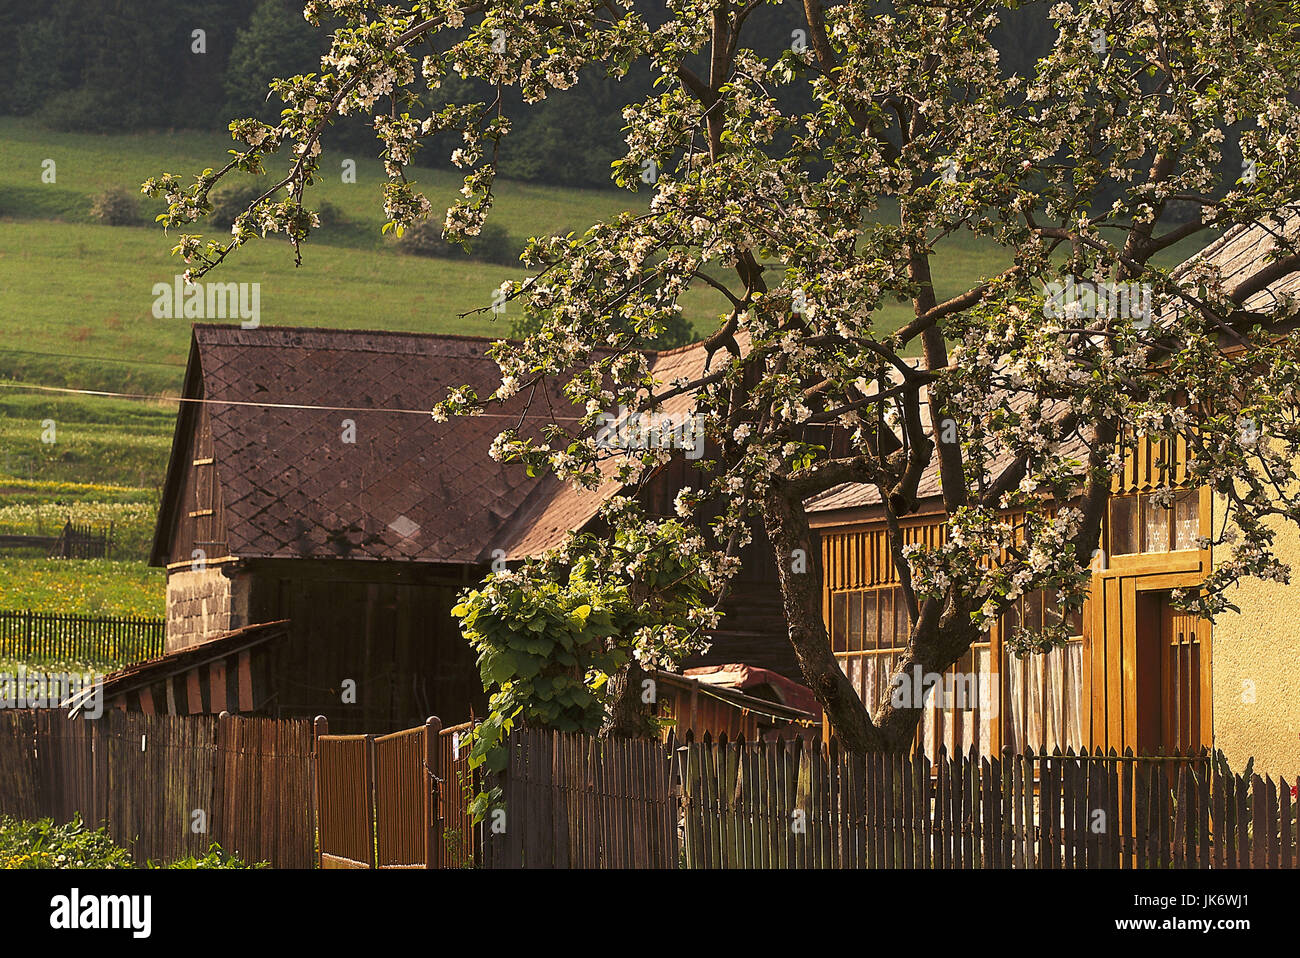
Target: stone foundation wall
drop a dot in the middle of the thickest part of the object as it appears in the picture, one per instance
(202, 604)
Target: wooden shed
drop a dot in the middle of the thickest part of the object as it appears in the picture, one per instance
(308, 483)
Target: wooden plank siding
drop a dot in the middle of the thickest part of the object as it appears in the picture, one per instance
(385, 628)
(1121, 614)
(200, 519)
(147, 777)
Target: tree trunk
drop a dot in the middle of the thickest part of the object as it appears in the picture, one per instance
(939, 639)
(801, 595)
(628, 716)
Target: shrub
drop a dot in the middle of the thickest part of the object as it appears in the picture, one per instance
(116, 208)
(229, 201)
(43, 844)
(493, 245)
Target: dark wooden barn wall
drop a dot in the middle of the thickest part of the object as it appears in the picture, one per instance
(753, 623)
(396, 639)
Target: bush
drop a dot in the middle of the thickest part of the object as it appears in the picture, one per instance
(229, 201)
(493, 245)
(42, 844)
(116, 208)
(329, 214)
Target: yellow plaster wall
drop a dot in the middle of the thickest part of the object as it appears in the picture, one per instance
(1256, 666)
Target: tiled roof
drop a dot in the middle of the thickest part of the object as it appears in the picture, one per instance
(408, 488)
(546, 518)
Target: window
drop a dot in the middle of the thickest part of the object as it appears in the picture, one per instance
(1139, 524)
(1044, 692)
(868, 627)
(1124, 526)
(1187, 520)
(1034, 701)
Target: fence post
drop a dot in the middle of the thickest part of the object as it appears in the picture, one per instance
(27, 640)
(432, 790)
(320, 726)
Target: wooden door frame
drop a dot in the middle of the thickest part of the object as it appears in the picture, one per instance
(1115, 620)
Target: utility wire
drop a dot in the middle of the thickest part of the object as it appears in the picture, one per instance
(143, 397)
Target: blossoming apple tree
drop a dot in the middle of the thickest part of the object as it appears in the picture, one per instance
(814, 191)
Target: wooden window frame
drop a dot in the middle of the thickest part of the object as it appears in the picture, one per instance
(1143, 500)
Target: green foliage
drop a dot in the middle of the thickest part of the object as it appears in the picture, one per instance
(43, 844)
(550, 635)
(71, 845)
(493, 244)
(116, 207)
(214, 858)
(104, 65)
(275, 42)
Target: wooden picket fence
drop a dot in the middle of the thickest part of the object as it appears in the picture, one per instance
(166, 786)
(74, 541)
(574, 801)
(55, 636)
(792, 805)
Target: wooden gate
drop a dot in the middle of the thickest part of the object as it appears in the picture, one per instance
(345, 800)
(393, 801)
(406, 797)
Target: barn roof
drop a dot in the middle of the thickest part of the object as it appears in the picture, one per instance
(141, 675)
(408, 488)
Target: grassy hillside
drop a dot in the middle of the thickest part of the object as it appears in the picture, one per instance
(104, 468)
(85, 586)
(83, 291)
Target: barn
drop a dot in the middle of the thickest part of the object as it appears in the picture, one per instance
(309, 485)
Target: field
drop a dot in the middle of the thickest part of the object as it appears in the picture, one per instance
(105, 467)
(79, 294)
(78, 299)
(86, 586)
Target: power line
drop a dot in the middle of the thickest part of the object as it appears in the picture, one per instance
(102, 393)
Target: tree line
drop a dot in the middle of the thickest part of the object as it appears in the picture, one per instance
(121, 66)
